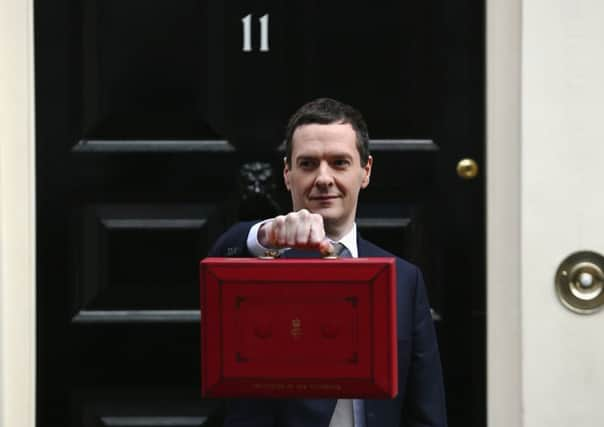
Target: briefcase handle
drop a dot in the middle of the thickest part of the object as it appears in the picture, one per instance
(274, 253)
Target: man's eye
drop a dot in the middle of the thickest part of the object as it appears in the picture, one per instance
(306, 164)
(341, 163)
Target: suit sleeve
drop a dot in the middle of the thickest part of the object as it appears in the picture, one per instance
(251, 413)
(425, 398)
(233, 243)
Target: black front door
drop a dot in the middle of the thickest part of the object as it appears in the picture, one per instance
(160, 123)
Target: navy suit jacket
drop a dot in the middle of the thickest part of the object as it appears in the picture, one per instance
(420, 401)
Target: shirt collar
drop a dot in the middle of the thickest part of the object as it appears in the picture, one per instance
(350, 241)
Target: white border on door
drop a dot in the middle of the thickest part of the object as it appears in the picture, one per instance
(17, 215)
(504, 183)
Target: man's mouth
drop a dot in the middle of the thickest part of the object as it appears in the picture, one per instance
(323, 198)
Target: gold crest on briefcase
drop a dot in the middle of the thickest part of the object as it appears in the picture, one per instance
(296, 329)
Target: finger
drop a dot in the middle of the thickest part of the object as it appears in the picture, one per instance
(291, 226)
(315, 235)
(277, 237)
(265, 233)
(317, 230)
(303, 224)
(326, 248)
(303, 233)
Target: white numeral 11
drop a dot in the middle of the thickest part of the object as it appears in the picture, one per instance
(247, 33)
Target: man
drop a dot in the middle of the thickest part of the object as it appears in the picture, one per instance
(327, 163)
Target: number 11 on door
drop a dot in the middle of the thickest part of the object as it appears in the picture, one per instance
(247, 33)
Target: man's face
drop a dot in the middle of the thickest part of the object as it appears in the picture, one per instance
(326, 175)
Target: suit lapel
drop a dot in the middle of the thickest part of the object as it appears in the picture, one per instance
(379, 413)
(308, 412)
(363, 247)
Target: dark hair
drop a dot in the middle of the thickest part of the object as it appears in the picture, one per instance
(326, 111)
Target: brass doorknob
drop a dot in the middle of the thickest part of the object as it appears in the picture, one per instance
(580, 282)
(467, 168)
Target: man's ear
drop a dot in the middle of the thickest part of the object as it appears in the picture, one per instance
(367, 172)
(286, 173)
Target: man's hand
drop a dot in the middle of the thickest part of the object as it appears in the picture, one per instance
(301, 229)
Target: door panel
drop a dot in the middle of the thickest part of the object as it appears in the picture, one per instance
(159, 124)
(140, 407)
(131, 255)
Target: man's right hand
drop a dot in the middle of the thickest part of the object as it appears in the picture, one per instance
(301, 229)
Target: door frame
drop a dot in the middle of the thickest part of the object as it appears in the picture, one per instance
(504, 231)
(17, 214)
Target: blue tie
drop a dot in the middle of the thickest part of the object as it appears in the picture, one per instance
(340, 250)
(358, 412)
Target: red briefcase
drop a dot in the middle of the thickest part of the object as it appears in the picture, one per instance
(307, 328)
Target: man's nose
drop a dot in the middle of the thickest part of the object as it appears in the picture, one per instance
(324, 175)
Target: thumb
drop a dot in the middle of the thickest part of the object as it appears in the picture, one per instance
(326, 248)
